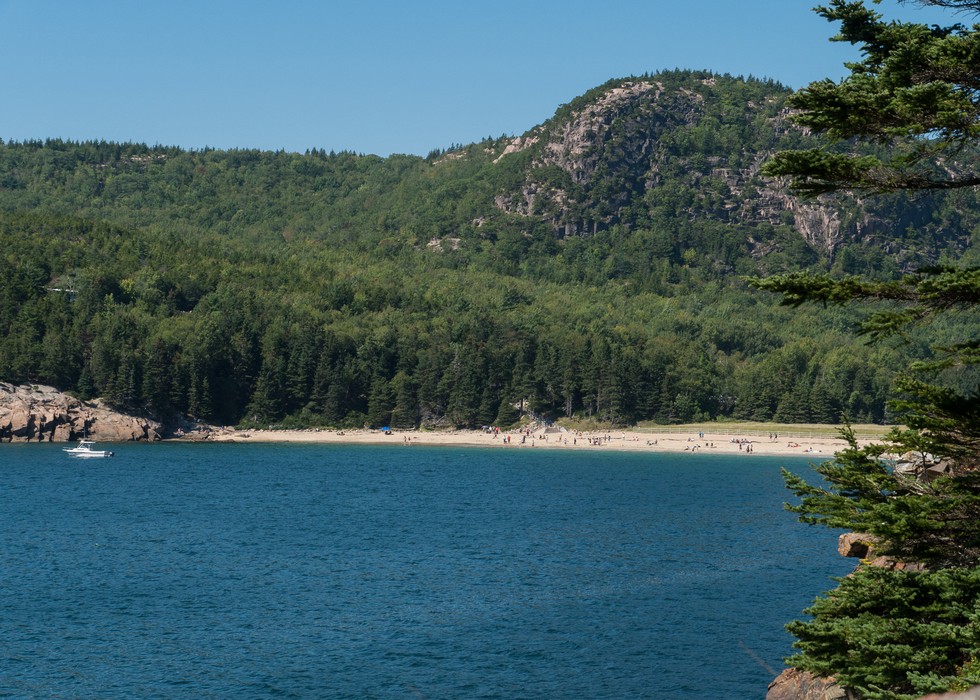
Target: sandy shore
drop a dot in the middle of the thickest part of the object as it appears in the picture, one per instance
(645, 441)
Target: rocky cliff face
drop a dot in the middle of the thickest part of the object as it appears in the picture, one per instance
(44, 414)
(691, 149)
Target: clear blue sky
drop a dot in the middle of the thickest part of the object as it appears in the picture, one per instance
(372, 76)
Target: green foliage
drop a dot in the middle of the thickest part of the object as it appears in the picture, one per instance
(943, 296)
(929, 522)
(337, 289)
(895, 635)
(915, 90)
(900, 633)
(229, 331)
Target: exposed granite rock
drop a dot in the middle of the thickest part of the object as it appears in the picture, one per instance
(855, 544)
(602, 159)
(862, 546)
(972, 694)
(35, 413)
(895, 564)
(794, 684)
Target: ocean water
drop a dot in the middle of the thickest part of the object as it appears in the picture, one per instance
(311, 571)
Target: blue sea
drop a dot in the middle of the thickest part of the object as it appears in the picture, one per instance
(323, 571)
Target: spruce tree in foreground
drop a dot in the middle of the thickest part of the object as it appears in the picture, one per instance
(906, 118)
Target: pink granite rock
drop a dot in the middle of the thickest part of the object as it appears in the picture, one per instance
(794, 684)
(36, 413)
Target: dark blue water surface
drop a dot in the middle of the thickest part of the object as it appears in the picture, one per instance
(285, 571)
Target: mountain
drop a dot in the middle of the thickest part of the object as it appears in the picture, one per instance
(589, 267)
(689, 146)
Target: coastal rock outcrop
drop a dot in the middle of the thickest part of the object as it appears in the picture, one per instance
(36, 413)
(855, 544)
(794, 684)
(972, 694)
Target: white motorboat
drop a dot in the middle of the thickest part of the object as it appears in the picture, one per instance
(86, 449)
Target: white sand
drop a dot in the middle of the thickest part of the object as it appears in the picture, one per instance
(600, 440)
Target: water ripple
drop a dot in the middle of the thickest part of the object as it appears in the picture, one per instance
(206, 571)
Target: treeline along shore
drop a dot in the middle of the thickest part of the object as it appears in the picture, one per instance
(43, 414)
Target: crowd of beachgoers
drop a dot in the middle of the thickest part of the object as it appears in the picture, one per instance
(670, 440)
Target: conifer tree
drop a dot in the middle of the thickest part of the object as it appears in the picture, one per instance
(908, 627)
(381, 401)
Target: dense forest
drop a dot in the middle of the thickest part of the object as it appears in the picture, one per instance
(594, 267)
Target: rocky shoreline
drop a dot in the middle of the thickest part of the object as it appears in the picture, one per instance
(37, 413)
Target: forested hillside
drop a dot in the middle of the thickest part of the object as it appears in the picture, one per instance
(592, 266)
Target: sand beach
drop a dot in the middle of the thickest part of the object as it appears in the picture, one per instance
(669, 440)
